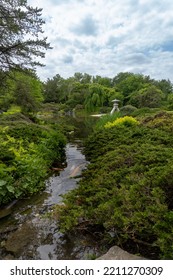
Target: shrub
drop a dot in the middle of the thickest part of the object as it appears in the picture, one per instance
(107, 118)
(124, 121)
(127, 188)
(14, 109)
(26, 154)
(128, 109)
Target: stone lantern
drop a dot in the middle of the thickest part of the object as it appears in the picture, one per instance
(115, 106)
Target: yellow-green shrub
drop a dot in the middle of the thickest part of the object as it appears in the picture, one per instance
(13, 110)
(125, 121)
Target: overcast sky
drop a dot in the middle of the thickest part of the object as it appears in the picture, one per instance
(105, 37)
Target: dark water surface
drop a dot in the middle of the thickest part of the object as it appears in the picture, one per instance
(27, 233)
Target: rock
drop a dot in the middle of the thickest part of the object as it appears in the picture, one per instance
(2, 243)
(76, 170)
(7, 209)
(9, 257)
(19, 239)
(4, 213)
(116, 253)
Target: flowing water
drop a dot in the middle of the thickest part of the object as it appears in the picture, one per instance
(25, 230)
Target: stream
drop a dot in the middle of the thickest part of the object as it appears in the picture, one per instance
(27, 233)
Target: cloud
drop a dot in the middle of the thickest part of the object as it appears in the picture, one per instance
(106, 37)
(59, 2)
(88, 26)
(113, 42)
(167, 46)
(67, 59)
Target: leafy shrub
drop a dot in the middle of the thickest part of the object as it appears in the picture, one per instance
(11, 118)
(125, 121)
(128, 109)
(26, 154)
(107, 118)
(13, 110)
(145, 111)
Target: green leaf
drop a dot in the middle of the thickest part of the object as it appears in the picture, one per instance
(10, 189)
(2, 183)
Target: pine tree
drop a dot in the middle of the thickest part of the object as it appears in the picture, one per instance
(21, 36)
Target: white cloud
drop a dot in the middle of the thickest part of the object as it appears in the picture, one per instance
(106, 37)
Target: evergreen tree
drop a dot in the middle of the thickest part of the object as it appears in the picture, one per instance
(21, 35)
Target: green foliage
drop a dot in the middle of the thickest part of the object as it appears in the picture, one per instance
(100, 96)
(170, 101)
(128, 109)
(13, 110)
(127, 83)
(26, 153)
(128, 186)
(162, 120)
(104, 81)
(53, 88)
(27, 93)
(21, 35)
(96, 93)
(107, 118)
(150, 96)
(165, 86)
(24, 91)
(124, 121)
(145, 111)
(6, 93)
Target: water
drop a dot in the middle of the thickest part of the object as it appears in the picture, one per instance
(27, 232)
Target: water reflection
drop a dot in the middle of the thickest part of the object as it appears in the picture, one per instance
(29, 234)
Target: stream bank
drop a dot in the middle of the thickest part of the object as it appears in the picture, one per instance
(28, 233)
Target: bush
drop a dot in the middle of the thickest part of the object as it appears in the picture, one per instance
(107, 118)
(127, 188)
(14, 109)
(128, 109)
(26, 154)
(125, 121)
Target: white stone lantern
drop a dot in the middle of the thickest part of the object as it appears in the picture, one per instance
(115, 106)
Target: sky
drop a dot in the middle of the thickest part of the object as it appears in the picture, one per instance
(106, 37)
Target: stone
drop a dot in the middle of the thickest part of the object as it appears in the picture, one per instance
(116, 253)
(19, 239)
(9, 257)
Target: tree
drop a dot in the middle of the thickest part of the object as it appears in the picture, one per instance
(100, 96)
(20, 29)
(104, 81)
(150, 96)
(78, 94)
(86, 79)
(6, 92)
(27, 93)
(53, 88)
(165, 86)
(82, 78)
(131, 83)
(78, 76)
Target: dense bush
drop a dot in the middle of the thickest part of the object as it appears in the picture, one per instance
(26, 153)
(107, 118)
(128, 109)
(124, 121)
(128, 186)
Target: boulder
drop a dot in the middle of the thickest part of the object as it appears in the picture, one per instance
(116, 253)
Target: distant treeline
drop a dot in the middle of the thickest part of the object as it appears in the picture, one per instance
(95, 93)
